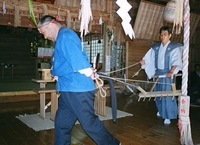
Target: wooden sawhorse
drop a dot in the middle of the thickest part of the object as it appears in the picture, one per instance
(53, 103)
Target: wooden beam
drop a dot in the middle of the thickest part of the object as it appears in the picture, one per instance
(18, 96)
(52, 10)
(3, 94)
(159, 94)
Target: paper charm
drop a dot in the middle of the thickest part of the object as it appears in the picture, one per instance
(100, 20)
(85, 15)
(4, 7)
(123, 13)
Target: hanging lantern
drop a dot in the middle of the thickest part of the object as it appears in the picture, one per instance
(169, 11)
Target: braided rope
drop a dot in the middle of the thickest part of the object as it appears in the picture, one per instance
(99, 85)
(184, 121)
(186, 47)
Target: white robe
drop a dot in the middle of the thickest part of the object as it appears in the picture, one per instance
(175, 60)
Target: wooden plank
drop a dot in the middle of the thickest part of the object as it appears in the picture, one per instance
(43, 81)
(42, 105)
(54, 104)
(17, 93)
(100, 104)
(18, 96)
(44, 90)
(22, 98)
(108, 87)
(160, 94)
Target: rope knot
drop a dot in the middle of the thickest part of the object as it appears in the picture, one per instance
(99, 85)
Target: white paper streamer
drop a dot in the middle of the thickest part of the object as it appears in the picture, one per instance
(4, 7)
(123, 13)
(85, 15)
(100, 20)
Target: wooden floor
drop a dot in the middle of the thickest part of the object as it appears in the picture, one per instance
(143, 128)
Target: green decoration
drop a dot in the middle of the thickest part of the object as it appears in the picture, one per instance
(31, 13)
(109, 33)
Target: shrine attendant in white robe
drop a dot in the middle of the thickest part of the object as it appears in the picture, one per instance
(164, 59)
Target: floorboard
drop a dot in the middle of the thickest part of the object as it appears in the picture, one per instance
(143, 128)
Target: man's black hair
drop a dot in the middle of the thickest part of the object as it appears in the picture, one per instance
(166, 28)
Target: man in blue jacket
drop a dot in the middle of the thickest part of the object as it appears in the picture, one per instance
(75, 82)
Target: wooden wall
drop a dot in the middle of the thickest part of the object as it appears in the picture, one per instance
(136, 49)
(149, 19)
(146, 19)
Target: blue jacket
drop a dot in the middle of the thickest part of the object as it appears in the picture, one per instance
(68, 58)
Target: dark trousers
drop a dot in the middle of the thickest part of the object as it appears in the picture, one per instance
(166, 105)
(79, 105)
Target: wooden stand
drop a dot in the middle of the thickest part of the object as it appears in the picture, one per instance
(54, 100)
(100, 102)
(53, 103)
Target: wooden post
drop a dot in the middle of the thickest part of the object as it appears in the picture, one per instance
(54, 104)
(42, 101)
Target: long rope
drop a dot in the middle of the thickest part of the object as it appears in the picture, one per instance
(107, 73)
(99, 82)
(121, 80)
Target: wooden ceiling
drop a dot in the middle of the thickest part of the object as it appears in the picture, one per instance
(194, 4)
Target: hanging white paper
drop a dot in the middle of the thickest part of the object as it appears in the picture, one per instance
(85, 15)
(4, 7)
(123, 13)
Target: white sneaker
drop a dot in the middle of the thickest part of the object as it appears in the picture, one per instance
(167, 121)
(158, 114)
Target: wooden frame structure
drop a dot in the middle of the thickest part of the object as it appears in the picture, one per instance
(155, 94)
